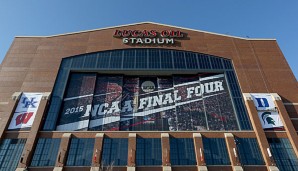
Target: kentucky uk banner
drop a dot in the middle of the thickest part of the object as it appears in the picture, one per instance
(26, 110)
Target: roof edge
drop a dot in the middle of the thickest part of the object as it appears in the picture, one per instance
(146, 22)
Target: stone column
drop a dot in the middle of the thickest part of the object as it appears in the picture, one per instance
(9, 111)
(28, 150)
(233, 152)
(131, 163)
(260, 134)
(288, 125)
(62, 154)
(97, 152)
(165, 145)
(199, 151)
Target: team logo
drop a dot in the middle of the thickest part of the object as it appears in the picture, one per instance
(23, 118)
(262, 102)
(266, 117)
(148, 86)
(29, 102)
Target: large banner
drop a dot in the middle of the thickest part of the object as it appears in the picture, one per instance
(75, 110)
(178, 103)
(267, 111)
(25, 112)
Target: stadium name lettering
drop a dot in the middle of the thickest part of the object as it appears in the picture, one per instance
(156, 101)
(148, 36)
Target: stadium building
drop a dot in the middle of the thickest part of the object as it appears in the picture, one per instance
(147, 96)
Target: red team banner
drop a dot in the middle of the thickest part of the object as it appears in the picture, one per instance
(178, 103)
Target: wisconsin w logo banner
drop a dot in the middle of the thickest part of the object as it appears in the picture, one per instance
(267, 111)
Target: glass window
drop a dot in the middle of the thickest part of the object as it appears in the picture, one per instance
(148, 151)
(129, 59)
(46, 151)
(10, 153)
(141, 58)
(78, 101)
(116, 59)
(90, 60)
(283, 154)
(215, 151)
(249, 151)
(166, 59)
(204, 61)
(115, 151)
(179, 61)
(80, 152)
(104, 59)
(154, 59)
(191, 60)
(182, 151)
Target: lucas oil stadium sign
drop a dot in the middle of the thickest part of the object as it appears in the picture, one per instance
(141, 37)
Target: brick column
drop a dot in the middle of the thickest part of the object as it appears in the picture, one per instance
(63, 149)
(288, 125)
(131, 161)
(233, 153)
(199, 151)
(97, 152)
(9, 111)
(260, 134)
(165, 145)
(28, 150)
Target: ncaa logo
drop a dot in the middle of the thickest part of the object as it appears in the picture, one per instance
(148, 86)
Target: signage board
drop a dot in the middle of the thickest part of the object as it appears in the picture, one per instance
(25, 112)
(267, 110)
(143, 37)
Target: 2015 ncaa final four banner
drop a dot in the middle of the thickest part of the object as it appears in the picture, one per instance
(171, 103)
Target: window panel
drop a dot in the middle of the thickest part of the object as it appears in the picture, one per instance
(249, 151)
(46, 151)
(215, 151)
(10, 153)
(80, 152)
(129, 59)
(148, 151)
(115, 151)
(283, 154)
(182, 151)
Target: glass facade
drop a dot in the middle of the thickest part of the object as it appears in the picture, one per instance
(10, 153)
(115, 151)
(283, 154)
(249, 151)
(134, 60)
(215, 151)
(148, 151)
(178, 103)
(182, 151)
(46, 151)
(80, 152)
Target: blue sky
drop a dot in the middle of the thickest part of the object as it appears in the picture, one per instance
(245, 18)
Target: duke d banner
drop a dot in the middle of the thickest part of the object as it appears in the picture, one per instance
(25, 112)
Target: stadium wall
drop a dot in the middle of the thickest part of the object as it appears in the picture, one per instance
(32, 65)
